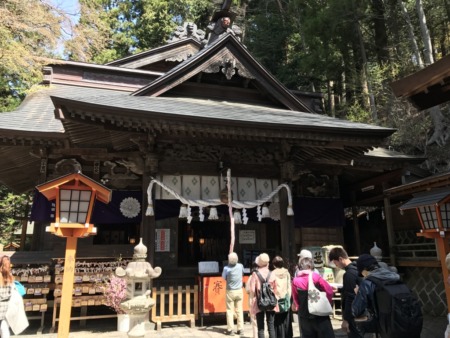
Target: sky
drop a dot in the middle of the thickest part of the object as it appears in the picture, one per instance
(71, 7)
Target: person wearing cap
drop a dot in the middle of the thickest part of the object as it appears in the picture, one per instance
(233, 274)
(304, 253)
(363, 304)
(263, 268)
(339, 257)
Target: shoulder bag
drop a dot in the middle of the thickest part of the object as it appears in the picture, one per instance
(318, 303)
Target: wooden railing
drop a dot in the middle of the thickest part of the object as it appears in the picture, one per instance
(175, 305)
(416, 251)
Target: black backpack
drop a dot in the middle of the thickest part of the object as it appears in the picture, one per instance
(266, 299)
(398, 312)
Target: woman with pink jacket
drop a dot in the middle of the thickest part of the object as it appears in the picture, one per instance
(311, 326)
(255, 285)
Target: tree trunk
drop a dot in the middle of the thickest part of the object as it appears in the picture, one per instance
(365, 76)
(428, 49)
(331, 103)
(412, 38)
(381, 38)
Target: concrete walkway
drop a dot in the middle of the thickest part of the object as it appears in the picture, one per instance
(434, 327)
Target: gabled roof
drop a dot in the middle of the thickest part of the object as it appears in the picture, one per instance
(177, 51)
(228, 50)
(428, 87)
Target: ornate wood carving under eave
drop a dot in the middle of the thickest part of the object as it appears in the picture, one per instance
(31, 141)
(182, 54)
(215, 153)
(180, 129)
(228, 64)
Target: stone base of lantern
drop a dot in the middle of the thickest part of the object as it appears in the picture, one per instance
(138, 325)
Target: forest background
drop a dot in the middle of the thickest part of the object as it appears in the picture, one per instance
(348, 50)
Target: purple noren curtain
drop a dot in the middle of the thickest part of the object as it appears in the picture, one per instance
(318, 212)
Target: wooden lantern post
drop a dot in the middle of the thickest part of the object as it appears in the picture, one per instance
(75, 195)
(433, 210)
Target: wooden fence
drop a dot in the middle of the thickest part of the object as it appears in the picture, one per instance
(175, 305)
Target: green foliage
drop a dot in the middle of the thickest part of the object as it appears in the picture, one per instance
(29, 31)
(112, 29)
(357, 113)
(13, 208)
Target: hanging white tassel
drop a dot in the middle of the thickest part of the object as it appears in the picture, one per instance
(201, 216)
(213, 214)
(367, 215)
(244, 216)
(189, 216)
(265, 211)
(258, 213)
(237, 217)
(183, 211)
(149, 211)
(290, 211)
(382, 214)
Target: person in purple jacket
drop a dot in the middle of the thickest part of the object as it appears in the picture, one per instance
(311, 326)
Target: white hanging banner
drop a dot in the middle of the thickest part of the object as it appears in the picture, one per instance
(214, 202)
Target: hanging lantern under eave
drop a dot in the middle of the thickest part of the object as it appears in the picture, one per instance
(433, 211)
(237, 217)
(213, 214)
(265, 213)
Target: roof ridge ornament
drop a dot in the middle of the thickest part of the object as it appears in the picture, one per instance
(222, 24)
(188, 30)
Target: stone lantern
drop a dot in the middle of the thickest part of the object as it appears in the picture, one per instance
(138, 303)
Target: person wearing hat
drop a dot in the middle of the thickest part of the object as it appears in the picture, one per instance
(339, 257)
(304, 253)
(255, 285)
(363, 304)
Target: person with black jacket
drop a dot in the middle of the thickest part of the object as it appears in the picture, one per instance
(339, 257)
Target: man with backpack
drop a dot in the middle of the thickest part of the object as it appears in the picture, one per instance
(264, 304)
(339, 257)
(382, 299)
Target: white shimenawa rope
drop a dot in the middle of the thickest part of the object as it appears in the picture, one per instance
(214, 202)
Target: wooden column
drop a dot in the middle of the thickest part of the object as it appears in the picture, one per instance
(390, 230)
(147, 230)
(355, 224)
(23, 235)
(67, 288)
(286, 228)
(356, 229)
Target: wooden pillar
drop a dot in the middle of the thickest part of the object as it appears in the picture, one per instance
(390, 230)
(286, 228)
(147, 230)
(23, 235)
(356, 229)
(67, 287)
(356, 224)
